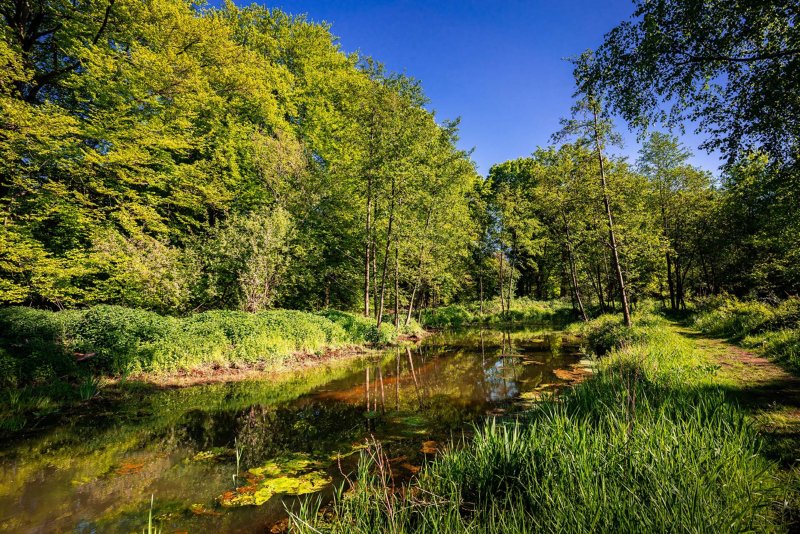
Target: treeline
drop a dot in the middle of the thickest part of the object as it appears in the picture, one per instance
(574, 220)
(164, 156)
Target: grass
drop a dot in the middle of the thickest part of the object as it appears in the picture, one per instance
(774, 330)
(522, 310)
(41, 351)
(37, 346)
(648, 444)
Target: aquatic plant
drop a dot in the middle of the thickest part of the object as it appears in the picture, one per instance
(151, 529)
(293, 474)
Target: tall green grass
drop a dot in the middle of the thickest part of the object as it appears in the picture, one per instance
(645, 445)
(773, 329)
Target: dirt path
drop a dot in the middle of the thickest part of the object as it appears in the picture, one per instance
(770, 394)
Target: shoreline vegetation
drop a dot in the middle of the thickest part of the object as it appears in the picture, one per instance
(52, 358)
(650, 442)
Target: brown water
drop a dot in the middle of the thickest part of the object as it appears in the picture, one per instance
(96, 472)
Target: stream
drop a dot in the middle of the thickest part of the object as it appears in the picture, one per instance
(231, 457)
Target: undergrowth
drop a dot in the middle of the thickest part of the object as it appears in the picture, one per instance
(39, 347)
(522, 310)
(775, 330)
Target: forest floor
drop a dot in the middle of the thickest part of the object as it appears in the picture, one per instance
(768, 394)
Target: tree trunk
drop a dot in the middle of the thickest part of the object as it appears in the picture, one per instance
(502, 300)
(671, 283)
(573, 270)
(626, 313)
(396, 287)
(419, 269)
(510, 285)
(386, 258)
(367, 244)
(481, 291)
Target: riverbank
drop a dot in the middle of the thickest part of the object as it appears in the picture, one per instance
(183, 444)
(654, 441)
(51, 359)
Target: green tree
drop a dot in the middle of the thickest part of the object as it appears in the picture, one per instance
(732, 67)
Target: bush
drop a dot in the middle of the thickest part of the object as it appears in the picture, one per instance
(607, 332)
(522, 310)
(9, 370)
(37, 342)
(453, 316)
(123, 339)
(733, 318)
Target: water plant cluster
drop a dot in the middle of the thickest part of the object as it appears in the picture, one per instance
(648, 444)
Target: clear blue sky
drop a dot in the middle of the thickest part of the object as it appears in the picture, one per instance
(499, 65)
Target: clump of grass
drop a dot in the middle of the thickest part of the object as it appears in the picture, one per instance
(89, 388)
(782, 346)
(645, 445)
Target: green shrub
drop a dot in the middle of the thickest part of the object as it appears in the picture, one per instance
(37, 339)
(607, 332)
(123, 339)
(362, 329)
(733, 318)
(9, 370)
(453, 316)
(522, 310)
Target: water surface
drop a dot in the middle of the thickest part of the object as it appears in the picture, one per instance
(294, 432)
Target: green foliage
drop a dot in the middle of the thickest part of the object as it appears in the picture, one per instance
(36, 345)
(658, 67)
(172, 157)
(360, 329)
(733, 318)
(522, 310)
(645, 444)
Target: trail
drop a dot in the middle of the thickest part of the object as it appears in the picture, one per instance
(766, 391)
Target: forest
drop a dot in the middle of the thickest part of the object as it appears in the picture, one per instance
(185, 188)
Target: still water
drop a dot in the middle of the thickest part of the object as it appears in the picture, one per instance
(231, 457)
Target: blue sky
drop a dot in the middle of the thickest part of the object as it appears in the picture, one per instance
(498, 65)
